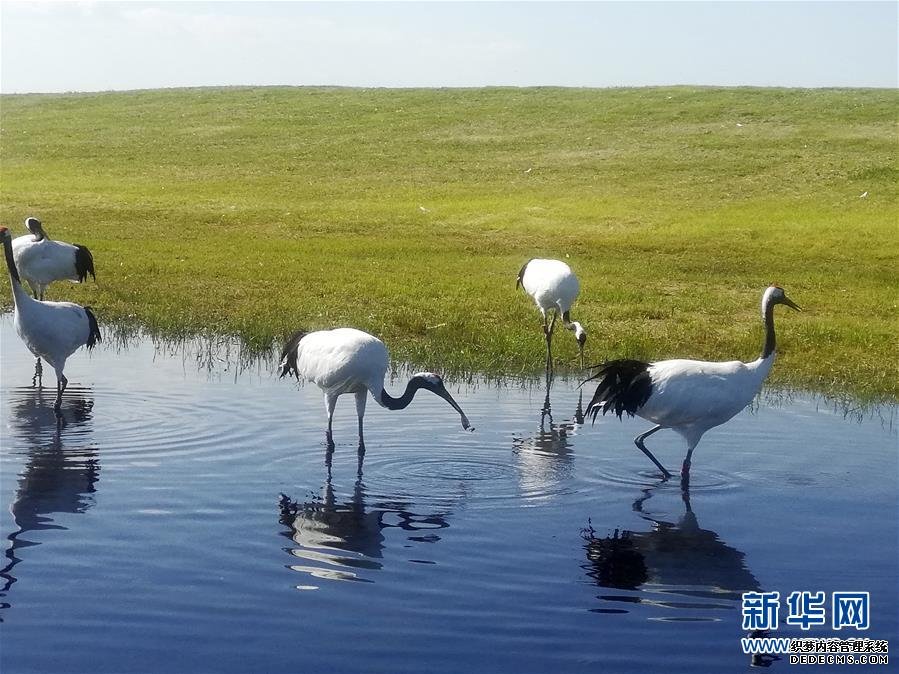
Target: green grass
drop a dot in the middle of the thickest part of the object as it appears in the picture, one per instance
(258, 211)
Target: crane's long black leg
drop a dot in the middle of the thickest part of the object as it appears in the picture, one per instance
(685, 472)
(546, 338)
(330, 404)
(329, 455)
(548, 331)
(685, 490)
(61, 382)
(360, 458)
(361, 397)
(639, 442)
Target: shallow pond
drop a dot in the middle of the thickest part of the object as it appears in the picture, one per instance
(184, 519)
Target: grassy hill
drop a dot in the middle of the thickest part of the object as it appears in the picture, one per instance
(258, 211)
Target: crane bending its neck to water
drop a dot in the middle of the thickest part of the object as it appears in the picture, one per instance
(554, 288)
(346, 360)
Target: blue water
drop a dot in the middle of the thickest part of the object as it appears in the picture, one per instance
(185, 518)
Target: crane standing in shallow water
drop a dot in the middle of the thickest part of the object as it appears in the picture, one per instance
(687, 396)
(41, 261)
(51, 330)
(554, 288)
(346, 360)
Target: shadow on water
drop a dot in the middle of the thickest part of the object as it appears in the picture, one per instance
(671, 558)
(341, 536)
(60, 472)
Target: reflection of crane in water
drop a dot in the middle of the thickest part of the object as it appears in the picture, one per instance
(323, 526)
(545, 458)
(56, 478)
(677, 557)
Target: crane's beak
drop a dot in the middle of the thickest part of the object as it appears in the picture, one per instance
(443, 393)
(790, 303)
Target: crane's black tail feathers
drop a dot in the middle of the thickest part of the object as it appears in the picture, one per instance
(84, 263)
(94, 335)
(289, 355)
(521, 274)
(624, 387)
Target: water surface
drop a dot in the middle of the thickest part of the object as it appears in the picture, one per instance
(187, 517)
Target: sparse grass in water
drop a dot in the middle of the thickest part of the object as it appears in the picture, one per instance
(408, 213)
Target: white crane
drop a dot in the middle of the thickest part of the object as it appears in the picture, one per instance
(346, 360)
(41, 261)
(554, 288)
(687, 396)
(51, 330)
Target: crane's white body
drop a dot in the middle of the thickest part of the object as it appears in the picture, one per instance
(551, 284)
(692, 396)
(346, 360)
(51, 330)
(40, 263)
(343, 360)
(687, 396)
(554, 288)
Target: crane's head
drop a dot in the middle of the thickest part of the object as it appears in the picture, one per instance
(4, 233)
(776, 295)
(581, 336)
(34, 226)
(579, 333)
(434, 383)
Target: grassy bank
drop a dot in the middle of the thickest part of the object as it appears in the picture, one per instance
(408, 213)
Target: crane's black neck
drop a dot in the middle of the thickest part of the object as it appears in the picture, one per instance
(10, 262)
(403, 401)
(770, 343)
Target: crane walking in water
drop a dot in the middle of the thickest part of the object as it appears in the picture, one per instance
(346, 360)
(51, 330)
(554, 288)
(687, 396)
(41, 261)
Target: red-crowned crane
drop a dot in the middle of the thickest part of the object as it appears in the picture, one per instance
(687, 396)
(554, 288)
(346, 360)
(51, 330)
(41, 261)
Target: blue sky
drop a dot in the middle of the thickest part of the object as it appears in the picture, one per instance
(92, 46)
